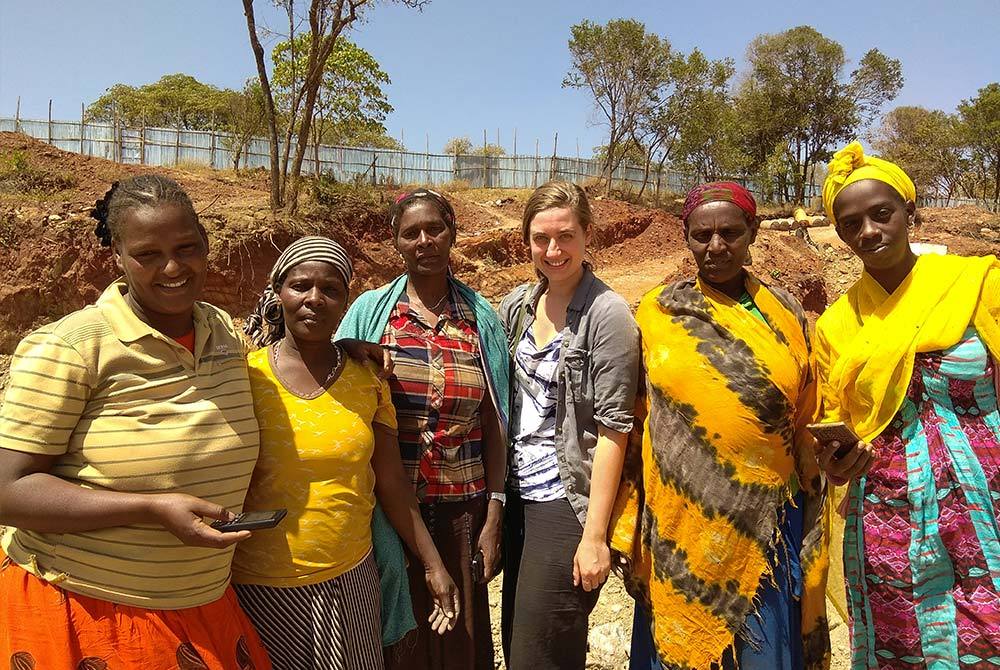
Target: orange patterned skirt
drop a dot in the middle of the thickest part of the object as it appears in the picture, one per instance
(43, 627)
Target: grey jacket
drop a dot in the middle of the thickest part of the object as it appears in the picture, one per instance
(598, 373)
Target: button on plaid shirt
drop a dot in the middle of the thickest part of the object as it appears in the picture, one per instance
(437, 387)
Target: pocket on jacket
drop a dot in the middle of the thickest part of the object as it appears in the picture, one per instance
(577, 365)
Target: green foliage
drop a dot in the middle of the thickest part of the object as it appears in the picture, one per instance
(458, 146)
(174, 100)
(246, 119)
(351, 104)
(927, 144)
(981, 132)
(489, 150)
(624, 68)
(463, 146)
(796, 101)
(697, 126)
(376, 138)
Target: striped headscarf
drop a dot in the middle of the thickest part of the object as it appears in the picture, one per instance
(266, 324)
(716, 191)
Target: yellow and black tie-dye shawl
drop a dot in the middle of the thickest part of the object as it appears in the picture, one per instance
(728, 398)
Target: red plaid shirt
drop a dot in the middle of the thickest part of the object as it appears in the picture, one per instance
(437, 387)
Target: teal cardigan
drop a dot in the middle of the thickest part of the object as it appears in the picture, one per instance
(366, 320)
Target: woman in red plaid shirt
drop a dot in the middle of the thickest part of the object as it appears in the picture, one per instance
(449, 388)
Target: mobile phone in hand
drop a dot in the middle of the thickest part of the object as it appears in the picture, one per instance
(836, 431)
(251, 521)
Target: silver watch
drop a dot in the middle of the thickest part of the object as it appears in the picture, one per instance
(502, 497)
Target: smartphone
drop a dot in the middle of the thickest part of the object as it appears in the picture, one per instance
(478, 568)
(251, 521)
(837, 431)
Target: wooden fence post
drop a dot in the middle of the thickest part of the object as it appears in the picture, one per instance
(374, 161)
(177, 140)
(17, 116)
(552, 165)
(534, 178)
(486, 163)
(81, 127)
(115, 145)
(211, 151)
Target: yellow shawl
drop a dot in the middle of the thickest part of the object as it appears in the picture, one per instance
(728, 399)
(867, 340)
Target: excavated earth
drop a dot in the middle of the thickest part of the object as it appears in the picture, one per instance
(51, 264)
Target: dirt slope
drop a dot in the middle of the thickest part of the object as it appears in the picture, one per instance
(51, 264)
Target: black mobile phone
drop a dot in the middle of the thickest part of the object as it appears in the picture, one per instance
(251, 521)
(478, 568)
(837, 431)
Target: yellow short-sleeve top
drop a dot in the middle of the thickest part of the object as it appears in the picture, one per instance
(315, 461)
(123, 407)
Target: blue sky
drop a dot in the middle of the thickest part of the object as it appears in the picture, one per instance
(462, 66)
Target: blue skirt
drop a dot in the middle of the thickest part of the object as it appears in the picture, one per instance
(771, 638)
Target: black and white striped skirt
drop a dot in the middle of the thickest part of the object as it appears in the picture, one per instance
(333, 625)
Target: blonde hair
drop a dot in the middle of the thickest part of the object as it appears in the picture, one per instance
(557, 195)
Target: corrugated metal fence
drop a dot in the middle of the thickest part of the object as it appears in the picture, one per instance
(172, 146)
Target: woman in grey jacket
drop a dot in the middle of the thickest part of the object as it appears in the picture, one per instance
(575, 350)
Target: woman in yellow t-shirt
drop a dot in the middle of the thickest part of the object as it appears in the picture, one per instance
(328, 447)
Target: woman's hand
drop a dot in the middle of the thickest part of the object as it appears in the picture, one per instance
(369, 352)
(182, 514)
(489, 540)
(854, 463)
(592, 563)
(444, 593)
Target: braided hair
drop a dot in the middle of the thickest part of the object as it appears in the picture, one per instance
(147, 190)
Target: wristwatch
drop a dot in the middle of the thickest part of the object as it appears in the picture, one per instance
(502, 497)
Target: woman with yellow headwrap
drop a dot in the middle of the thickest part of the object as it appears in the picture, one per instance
(909, 359)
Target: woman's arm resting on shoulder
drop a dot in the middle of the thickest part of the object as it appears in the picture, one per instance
(33, 499)
(369, 352)
(592, 561)
(395, 493)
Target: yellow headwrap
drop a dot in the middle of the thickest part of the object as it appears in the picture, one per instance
(850, 165)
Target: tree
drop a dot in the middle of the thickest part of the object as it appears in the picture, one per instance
(981, 131)
(269, 115)
(709, 145)
(692, 91)
(376, 139)
(174, 100)
(927, 144)
(622, 66)
(796, 102)
(458, 145)
(351, 105)
(246, 119)
(327, 19)
(488, 150)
